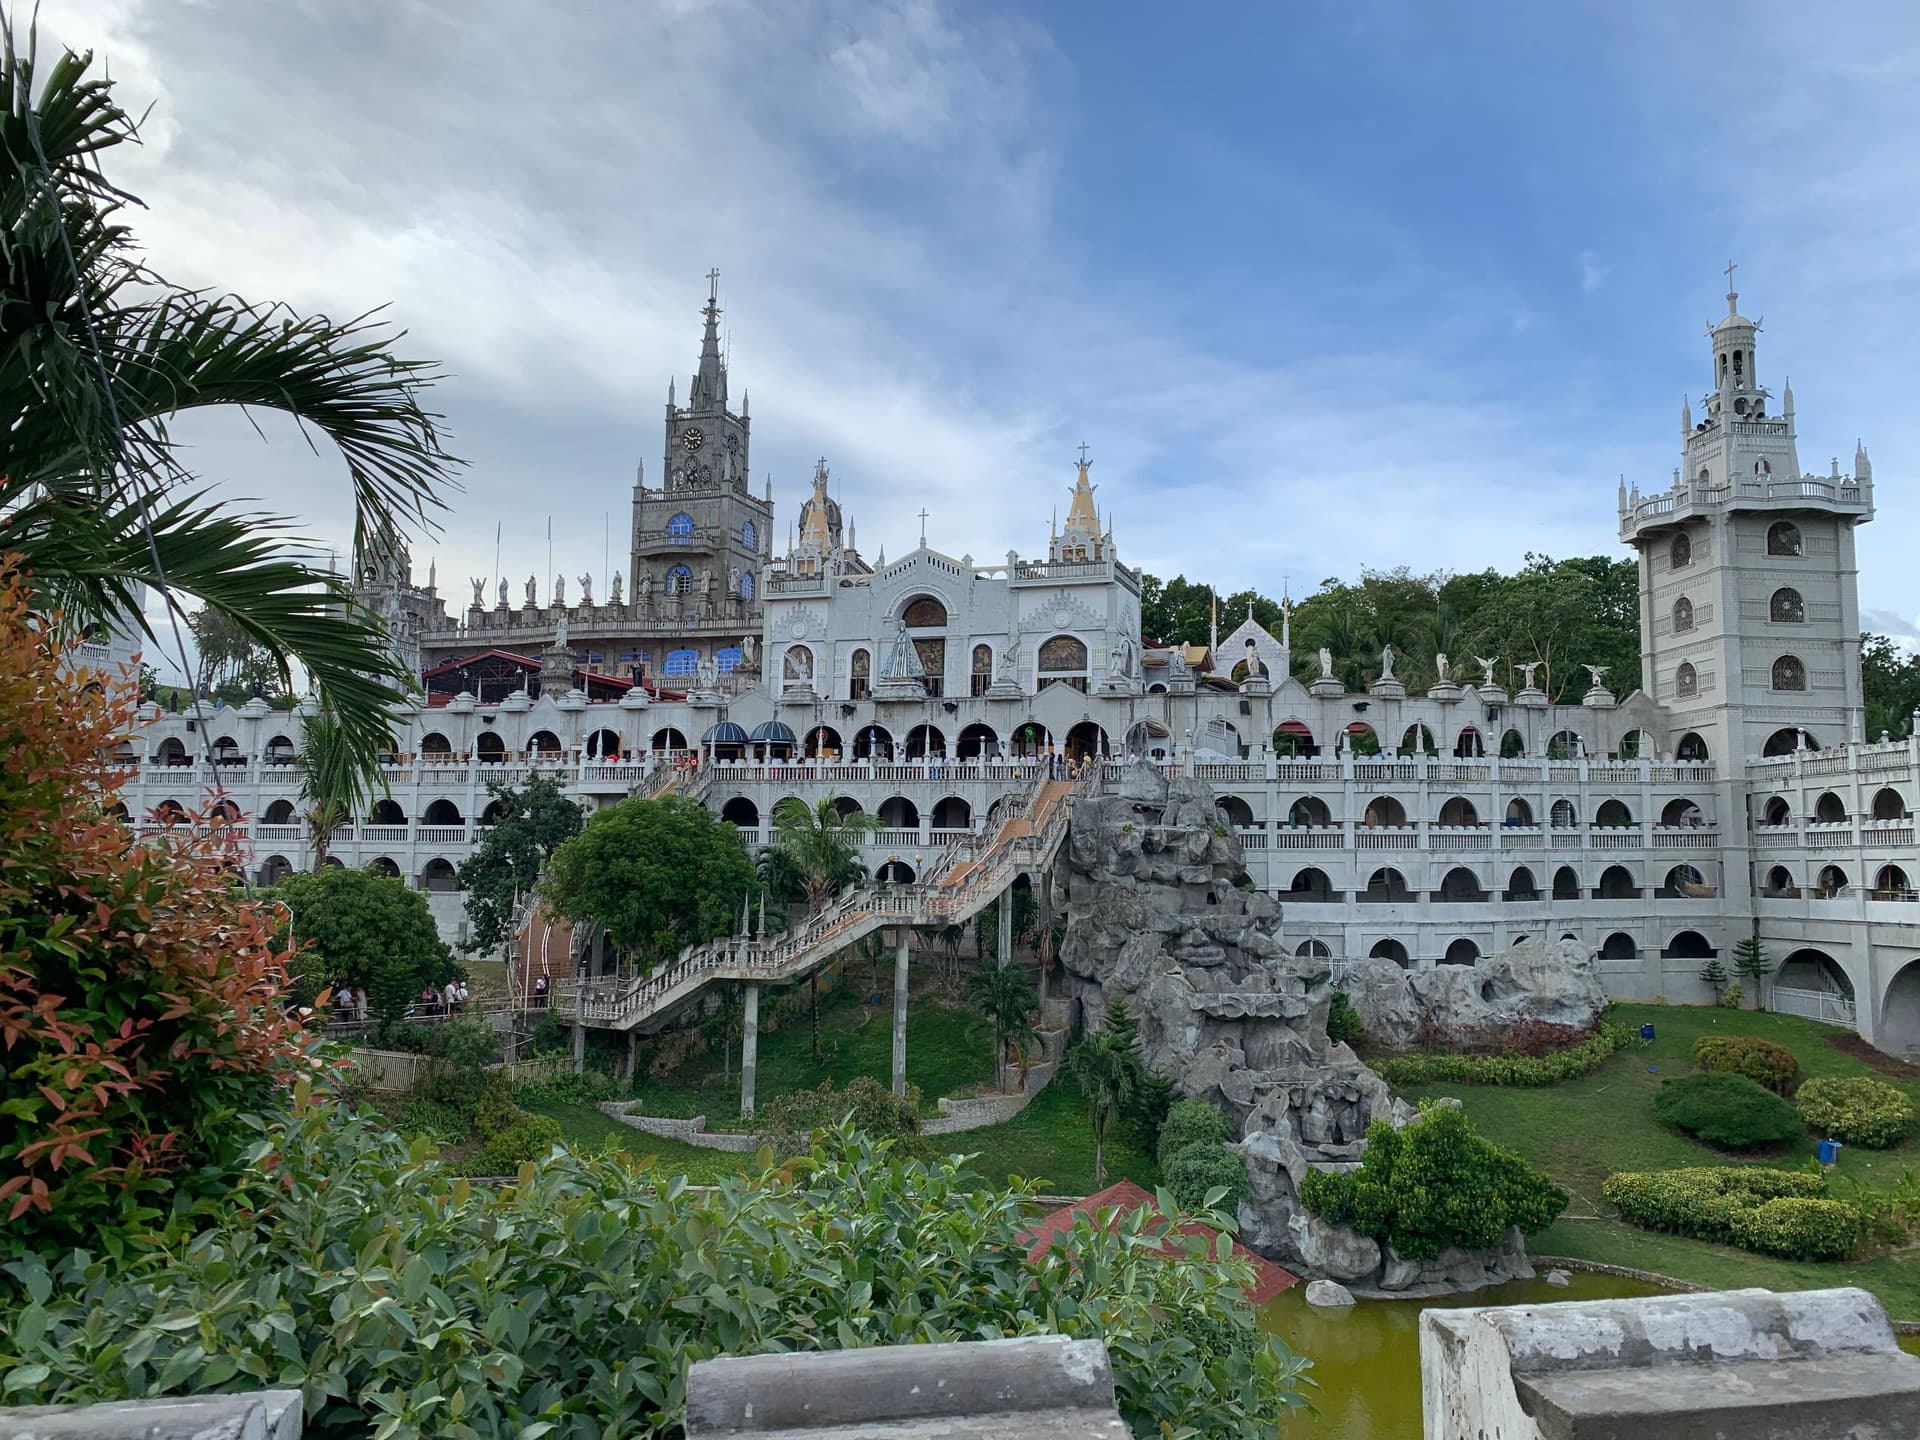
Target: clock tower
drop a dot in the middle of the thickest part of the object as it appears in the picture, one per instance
(700, 540)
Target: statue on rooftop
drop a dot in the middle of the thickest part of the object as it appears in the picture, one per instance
(1326, 663)
(560, 591)
(503, 592)
(479, 583)
(586, 588)
(1599, 674)
(1486, 664)
(1526, 673)
(1443, 668)
(530, 590)
(616, 587)
(1386, 662)
(560, 633)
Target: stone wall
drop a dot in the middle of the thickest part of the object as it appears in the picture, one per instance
(258, 1415)
(1744, 1363)
(973, 1112)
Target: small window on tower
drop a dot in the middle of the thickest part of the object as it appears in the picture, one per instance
(1789, 673)
(1682, 615)
(1681, 554)
(1783, 538)
(1786, 607)
(1686, 682)
(680, 529)
(749, 537)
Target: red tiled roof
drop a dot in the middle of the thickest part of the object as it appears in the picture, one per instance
(446, 665)
(1127, 1197)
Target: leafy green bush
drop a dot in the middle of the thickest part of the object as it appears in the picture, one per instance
(1761, 1061)
(496, 1112)
(507, 1149)
(1731, 997)
(1857, 1109)
(1343, 1021)
(1774, 1212)
(1434, 1184)
(1801, 1229)
(440, 1123)
(790, 1122)
(571, 1305)
(1728, 1111)
(1189, 1122)
(1520, 1070)
(1705, 1202)
(1203, 1166)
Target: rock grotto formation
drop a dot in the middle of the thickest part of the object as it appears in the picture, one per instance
(1154, 914)
(1555, 983)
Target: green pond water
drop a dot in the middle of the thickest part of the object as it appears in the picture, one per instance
(1366, 1358)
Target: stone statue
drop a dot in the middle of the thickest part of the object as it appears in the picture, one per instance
(616, 587)
(746, 651)
(643, 589)
(1386, 662)
(733, 580)
(503, 592)
(709, 671)
(479, 583)
(1526, 673)
(1486, 664)
(1254, 667)
(1443, 668)
(1326, 663)
(706, 582)
(560, 634)
(586, 588)
(1599, 673)
(560, 591)
(530, 586)
(1119, 662)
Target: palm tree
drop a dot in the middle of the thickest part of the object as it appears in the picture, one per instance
(1005, 998)
(334, 786)
(823, 847)
(1107, 1070)
(98, 355)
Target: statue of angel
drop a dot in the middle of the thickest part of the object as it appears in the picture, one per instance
(1443, 668)
(1486, 664)
(1526, 673)
(1599, 673)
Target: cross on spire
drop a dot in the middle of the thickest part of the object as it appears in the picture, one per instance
(923, 527)
(1731, 267)
(713, 287)
(1083, 452)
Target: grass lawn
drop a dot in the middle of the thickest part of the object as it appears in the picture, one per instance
(947, 1054)
(1583, 1130)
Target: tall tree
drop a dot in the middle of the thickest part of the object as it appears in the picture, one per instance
(365, 930)
(334, 785)
(533, 821)
(656, 875)
(1890, 684)
(98, 356)
(1106, 1068)
(823, 848)
(1006, 1002)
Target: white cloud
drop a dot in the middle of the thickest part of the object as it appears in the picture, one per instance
(1592, 273)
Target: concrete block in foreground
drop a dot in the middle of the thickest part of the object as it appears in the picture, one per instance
(1748, 1363)
(1040, 1387)
(256, 1415)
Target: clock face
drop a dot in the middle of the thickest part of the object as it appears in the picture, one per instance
(693, 439)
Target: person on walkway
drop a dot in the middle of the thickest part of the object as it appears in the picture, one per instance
(540, 992)
(360, 1005)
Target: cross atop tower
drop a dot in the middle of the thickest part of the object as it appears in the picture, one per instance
(713, 287)
(1083, 452)
(923, 527)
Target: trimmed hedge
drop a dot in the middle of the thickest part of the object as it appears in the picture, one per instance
(1518, 1070)
(1728, 1111)
(1772, 1212)
(1205, 1166)
(1858, 1110)
(1189, 1122)
(1761, 1061)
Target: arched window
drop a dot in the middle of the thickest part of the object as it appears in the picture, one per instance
(1682, 615)
(1512, 746)
(1686, 682)
(1459, 811)
(1618, 946)
(1566, 884)
(1789, 673)
(1565, 745)
(1692, 750)
(1563, 816)
(1613, 814)
(749, 537)
(1888, 804)
(1829, 809)
(1831, 881)
(1390, 950)
(1460, 885)
(1762, 468)
(680, 529)
(1783, 538)
(1616, 883)
(1521, 885)
(1063, 660)
(1461, 952)
(1309, 812)
(1892, 884)
(1386, 885)
(981, 669)
(1313, 950)
(746, 584)
(728, 657)
(1777, 812)
(1384, 810)
(1519, 812)
(679, 580)
(859, 675)
(1680, 553)
(1311, 884)
(798, 668)
(1786, 607)
(1780, 881)
(924, 612)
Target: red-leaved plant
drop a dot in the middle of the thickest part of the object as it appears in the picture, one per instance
(141, 1018)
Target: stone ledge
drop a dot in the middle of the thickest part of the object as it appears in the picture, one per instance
(255, 1415)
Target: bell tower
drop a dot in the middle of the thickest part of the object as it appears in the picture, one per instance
(1749, 607)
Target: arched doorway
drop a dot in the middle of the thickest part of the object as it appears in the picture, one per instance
(1566, 884)
(1390, 950)
(435, 746)
(1461, 952)
(926, 741)
(742, 812)
(383, 866)
(1513, 746)
(603, 745)
(1362, 739)
(1418, 740)
(1521, 885)
(1830, 809)
(1682, 813)
(1519, 814)
(1468, 745)
(846, 805)
(1900, 1013)
(1684, 882)
(1295, 739)
(1788, 740)
(1386, 886)
(1235, 811)
(490, 748)
(1889, 804)
(1892, 884)
(1616, 883)
(667, 739)
(1311, 885)
(823, 743)
(899, 813)
(442, 812)
(1460, 886)
(280, 812)
(976, 742)
(1309, 812)
(1830, 883)
(1689, 945)
(544, 744)
(895, 872)
(1691, 750)
(1619, 946)
(1458, 813)
(1148, 738)
(276, 869)
(872, 742)
(1613, 815)
(1031, 739)
(1086, 741)
(953, 813)
(437, 875)
(1383, 812)
(388, 812)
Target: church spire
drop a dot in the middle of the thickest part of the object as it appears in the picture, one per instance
(710, 381)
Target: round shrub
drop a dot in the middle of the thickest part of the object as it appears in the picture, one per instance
(1199, 1168)
(1858, 1110)
(1801, 1228)
(1761, 1061)
(507, 1150)
(1728, 1111)
(1189, 1122)
(792, 1121)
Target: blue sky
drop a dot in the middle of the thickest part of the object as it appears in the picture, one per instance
(1322, 286)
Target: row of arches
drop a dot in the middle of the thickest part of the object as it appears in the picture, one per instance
(437, 874)
(1684, 944)
(1461, 885)
(1890, 882)
(1783, 538)
(1384, 812)
(1295, 738)
(897, 812)
(1829, 809)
